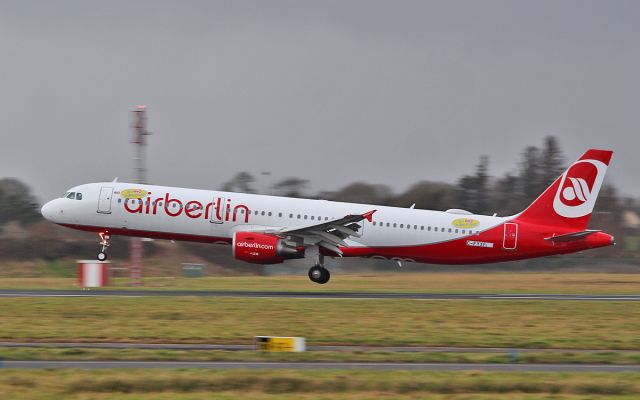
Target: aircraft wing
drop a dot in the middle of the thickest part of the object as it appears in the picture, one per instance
(329, 234)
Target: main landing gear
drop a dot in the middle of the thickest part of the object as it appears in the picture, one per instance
(319, 274)
(105, 242)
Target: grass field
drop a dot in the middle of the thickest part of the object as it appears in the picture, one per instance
(575, 283)
(315, 384)
(528, 324)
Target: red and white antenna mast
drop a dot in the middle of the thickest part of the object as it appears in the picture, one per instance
(139, 128)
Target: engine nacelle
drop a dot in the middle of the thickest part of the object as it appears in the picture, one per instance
(260, 248)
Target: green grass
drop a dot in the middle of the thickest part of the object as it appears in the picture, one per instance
(314, 384)
(575, 283)
(526, 324)
(85, 354)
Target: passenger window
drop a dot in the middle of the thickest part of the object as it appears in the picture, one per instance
(305, 217)
(388, 224)
(394, 225)
(298, 216)
(449, 230)
(119, 200)
(421, 227)
(428, 228)
(280, 215)
(269, 213)
(290, 215)
(456, 231)
(312, 217)
(441, 229)
(463, 231)
(326, 218)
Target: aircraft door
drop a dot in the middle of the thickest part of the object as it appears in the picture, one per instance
(104, 201)
(510, 236)
(218, 210)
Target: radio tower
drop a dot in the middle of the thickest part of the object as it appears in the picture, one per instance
(139, 127)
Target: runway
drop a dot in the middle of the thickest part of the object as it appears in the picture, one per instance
(312, 295)
(342, 348)
(37, 364)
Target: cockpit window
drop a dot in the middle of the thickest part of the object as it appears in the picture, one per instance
(78, 196)
(71, 195)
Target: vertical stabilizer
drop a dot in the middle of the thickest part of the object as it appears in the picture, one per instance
(569, 201)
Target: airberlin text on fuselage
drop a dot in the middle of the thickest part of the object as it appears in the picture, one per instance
(193, 209)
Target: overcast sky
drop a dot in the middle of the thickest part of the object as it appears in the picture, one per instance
(389, 92)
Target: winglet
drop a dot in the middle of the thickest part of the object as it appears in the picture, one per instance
(369, 215)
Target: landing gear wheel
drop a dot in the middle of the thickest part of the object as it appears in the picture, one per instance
(105, 242)
(319, 274)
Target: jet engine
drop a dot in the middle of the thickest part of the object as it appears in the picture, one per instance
(260, 248)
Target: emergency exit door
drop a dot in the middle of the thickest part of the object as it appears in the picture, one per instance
(104, 201)
(510, 236)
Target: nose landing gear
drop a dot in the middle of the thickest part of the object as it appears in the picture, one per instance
(105, 242)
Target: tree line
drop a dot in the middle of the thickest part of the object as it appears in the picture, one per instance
(477, 192)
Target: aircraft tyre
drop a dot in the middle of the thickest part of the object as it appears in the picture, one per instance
(319, 274)
(102, 256)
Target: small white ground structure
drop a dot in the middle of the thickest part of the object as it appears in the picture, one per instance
(93, 273)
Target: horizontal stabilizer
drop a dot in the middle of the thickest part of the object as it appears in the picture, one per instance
(569, 237)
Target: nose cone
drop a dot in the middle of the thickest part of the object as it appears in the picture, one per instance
(49, 210)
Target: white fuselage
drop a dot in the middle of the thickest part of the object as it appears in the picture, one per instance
(200, 214)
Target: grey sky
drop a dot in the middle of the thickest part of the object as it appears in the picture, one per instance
(387, 92)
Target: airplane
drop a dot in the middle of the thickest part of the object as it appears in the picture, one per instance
(269, 229)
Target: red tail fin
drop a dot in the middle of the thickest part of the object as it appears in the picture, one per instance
(569, 201)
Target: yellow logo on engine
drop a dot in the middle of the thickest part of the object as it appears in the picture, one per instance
(133, 193)
(465, 223)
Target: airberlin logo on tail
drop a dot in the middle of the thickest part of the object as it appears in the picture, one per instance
(579, 188)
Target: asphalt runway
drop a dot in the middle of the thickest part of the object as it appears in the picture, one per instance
(35, 364)
(248, 347)
(312, 295)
